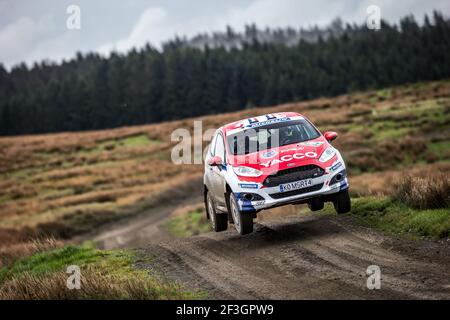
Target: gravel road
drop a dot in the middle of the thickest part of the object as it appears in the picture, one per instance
(309, 257)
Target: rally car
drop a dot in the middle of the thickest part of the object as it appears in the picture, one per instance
(269, 161)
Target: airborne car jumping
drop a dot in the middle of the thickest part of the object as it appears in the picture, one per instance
(269, 161)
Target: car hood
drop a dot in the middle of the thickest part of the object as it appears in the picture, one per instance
(288, 156)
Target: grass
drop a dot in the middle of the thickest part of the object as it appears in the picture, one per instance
(133, 141)
(392, 133)
(441, 149)
(430, 192)
(397, 218)
(104, 275)
(141, 140)
(52, 261)
(417, 205)
(190, 224)
(66, 183)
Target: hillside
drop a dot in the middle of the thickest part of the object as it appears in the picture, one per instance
(57, 189)
(68, 183)
(91, 92)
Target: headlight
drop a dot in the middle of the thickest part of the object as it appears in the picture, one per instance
(329, 153)
(247, 172)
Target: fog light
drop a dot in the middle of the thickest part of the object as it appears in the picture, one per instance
(338, 177)
(249, 197)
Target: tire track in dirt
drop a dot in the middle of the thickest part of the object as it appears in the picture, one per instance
(312, 257)
(298, 257)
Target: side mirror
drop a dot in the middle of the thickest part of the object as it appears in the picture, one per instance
(330, 135)
(215, 161)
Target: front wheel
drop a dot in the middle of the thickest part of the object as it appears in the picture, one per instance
(316, 204)
(219, 222)
(243, 222)
(342, 203)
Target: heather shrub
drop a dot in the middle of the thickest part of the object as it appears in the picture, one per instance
(430, 192)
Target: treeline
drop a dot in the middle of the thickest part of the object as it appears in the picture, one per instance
(288, 36)
(149, 85)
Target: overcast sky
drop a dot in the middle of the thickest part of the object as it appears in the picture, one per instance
(35, 30)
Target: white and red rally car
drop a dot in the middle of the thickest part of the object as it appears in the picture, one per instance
(269, 161)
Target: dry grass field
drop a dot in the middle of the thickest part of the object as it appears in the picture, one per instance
(65, 184)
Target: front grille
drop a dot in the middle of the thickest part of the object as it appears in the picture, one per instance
(282, 195)
(293, 174)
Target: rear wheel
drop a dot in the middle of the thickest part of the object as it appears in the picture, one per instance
(342, 203)
(243, 222)
(219, 222)
(315, 204)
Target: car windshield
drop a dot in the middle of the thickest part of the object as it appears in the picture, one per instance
(271, 136)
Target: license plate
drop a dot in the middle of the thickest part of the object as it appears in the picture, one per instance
(295, 185)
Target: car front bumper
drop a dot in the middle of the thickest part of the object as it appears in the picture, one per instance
(320, 187)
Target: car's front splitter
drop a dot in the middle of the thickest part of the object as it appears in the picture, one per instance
(269, 202)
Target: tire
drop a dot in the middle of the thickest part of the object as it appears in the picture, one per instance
(342, 203)
(316, 204)
(243, 222)
(219, 222)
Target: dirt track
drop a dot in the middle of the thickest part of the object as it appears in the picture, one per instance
(313, 257)
(145, 227)
(298, 257)
(140, 231)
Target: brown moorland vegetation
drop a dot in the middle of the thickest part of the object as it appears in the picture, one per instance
(68, 183)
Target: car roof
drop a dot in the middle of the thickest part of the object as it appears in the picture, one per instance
(258, 121)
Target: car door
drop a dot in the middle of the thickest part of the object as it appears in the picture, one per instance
(209, 170)
(218, 172)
